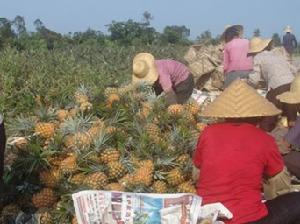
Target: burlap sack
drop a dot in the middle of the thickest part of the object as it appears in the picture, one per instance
(190, 55)
(201, 66)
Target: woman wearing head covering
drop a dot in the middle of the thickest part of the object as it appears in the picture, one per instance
(237, 64)
(168, 76)
(234, 156)
(276, 71)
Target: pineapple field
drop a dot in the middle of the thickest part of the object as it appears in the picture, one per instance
(76, 123)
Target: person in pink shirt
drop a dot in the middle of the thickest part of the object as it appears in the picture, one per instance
(237, 64)
(166, 75)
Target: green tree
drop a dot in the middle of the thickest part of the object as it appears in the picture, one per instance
(147, 17)
(176, 34)
(207, 38)
(276, 39)
(6, 33)
(256, 32)
(19, 24)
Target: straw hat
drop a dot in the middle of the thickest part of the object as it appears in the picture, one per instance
(240, 100)
(288, 29)
(144, 68)
(258, 44)
(292, 96)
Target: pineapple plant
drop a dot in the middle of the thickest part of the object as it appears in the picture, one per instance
(68, 164)
(77, 179)
(81, 95)
(96, 180)
(182, 159)
(44, 199)
(45, 127)
(144, 174)
(193, 107)
(186, 187)
(62, 114)
(126, 181)
(45, 217)
(109, 91)
(110, 155)
(159, 187)
(10, 210)
(175, 177)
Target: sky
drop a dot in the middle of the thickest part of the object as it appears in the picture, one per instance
(64, 16)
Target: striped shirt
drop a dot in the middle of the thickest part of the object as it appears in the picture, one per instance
(272, 68)
(170, 73)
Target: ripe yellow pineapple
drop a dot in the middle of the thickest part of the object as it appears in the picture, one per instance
(50, 178)
(200, 126)
(115, 170)
(112, 98)
(187, 187)
(110, 130)
(154, 132)
(45, 217)
(175, 177)
(183, 159)
(110, 155)
(159, 187)
(85, 106)
(96, 181)
(97, 127)
(44, 199)
(45, 129)
(79, 139)
(114, 187)
(189, 118)
(110, 90)
(192, 107)
(175, 109)
(144, 174)
(126, 181)
(69, 164)
(77, 179)
(62, 114)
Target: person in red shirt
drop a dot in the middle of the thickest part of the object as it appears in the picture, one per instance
(235, 156)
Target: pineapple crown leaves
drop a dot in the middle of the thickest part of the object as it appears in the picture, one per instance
(101, 141)
(45, 114)
(82, 90)
(118, 119)
(22, 126)
(78, 124)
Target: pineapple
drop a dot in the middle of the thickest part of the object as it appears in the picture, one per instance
(81, 95)
(77, 179)
(125, 89)
(200, 126)
(85, 106)
(154, 132)
(96, 181)
(175, 177)
(45, 217)
(62, 114)
(45, 130)
(114, 187)
(186, 187)
(146, 109)
(113, 98)
(189, 118)
(159, 187)
(69, 164)
(175, 110)
(115, 170)
(50, 178)
(111, 130)
(109, 91)
(10, 210)
(144, 174)
(126, 181)
(44, 199)
(192, 107)
(110, 155)
(96, 128)
(183, 159)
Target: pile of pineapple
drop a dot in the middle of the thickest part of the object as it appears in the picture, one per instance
(125, 139)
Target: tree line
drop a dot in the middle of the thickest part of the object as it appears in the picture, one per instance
(15, 34)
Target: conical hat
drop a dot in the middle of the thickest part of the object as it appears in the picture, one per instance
(292, 96)
(240, 100)
(144, 69)
(288, 29)
(258, 44)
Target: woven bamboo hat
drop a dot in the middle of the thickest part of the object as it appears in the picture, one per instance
(258, 44)
(292, 96)
(288, 29)
(143, 68)
(240, 100)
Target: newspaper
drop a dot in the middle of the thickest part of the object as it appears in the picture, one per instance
(107, 207)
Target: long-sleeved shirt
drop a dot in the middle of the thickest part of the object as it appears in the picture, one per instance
(235, 56)
(274, 69)
(289, 42)
(170, 73)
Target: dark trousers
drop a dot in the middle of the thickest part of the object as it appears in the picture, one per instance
(2, 148)
(183, 90)
(289, 110)
(284, 209)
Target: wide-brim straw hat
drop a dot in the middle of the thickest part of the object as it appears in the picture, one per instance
(292, 96)
(258, 44)
(144, 69)
(239, 100)
(288, 29)
(240, 28)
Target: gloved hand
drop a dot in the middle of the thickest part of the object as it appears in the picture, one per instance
(170, 97)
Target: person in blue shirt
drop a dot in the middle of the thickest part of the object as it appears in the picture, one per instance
(289, 40)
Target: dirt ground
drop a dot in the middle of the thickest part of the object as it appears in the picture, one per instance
(296, 61)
